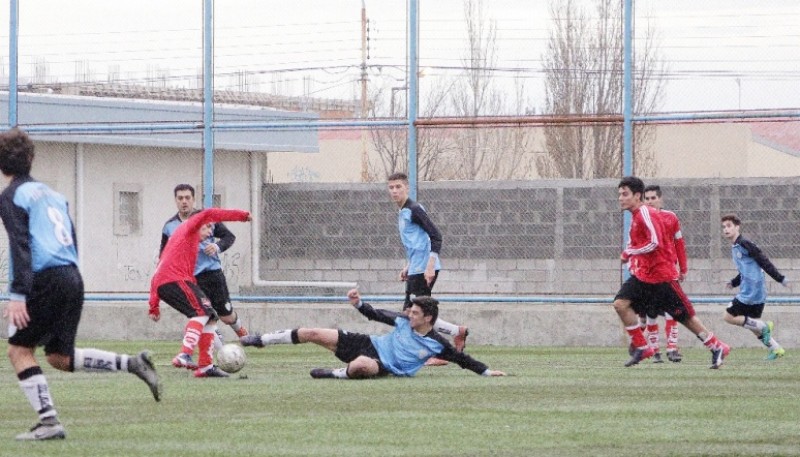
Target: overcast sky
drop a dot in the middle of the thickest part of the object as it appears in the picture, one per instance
(720, 54)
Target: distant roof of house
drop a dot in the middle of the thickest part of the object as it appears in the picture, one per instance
(781, 135)
(51, 109)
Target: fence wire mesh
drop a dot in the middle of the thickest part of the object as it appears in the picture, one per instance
(519, 149)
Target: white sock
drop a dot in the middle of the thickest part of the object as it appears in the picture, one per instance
(773, 345)
(38, 393)
(445, 327)
(95, 360)
(754, 325)
(218, 341)
(281, 337)
(340, 373)
(237, 324)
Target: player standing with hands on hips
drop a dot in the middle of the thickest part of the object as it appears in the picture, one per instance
(46, 290)
(422, 242)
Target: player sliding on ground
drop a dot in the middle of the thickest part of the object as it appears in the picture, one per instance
(402, 352)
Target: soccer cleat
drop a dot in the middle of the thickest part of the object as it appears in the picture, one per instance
(657, 358)
(252, 340)
(435, 362)
(776, 354)
(640, 354)
(142, 366)
(718, 355)
(242, 332)
(460, 340)
(766, 333)
(322, 373)
(674, 356)
(40, 431)
(184, 360)
(212, 372)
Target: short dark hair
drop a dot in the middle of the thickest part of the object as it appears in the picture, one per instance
(733, 218)
(16, 153)
(181, 187)
(653, 188)
(398, 177)
(428, 305)
(633, 183)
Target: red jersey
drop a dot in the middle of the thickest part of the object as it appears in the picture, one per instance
(650, 252)
(180, 254)
(672, 230)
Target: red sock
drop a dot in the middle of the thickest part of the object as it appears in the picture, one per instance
(637, 336)
(711, 342)
(671, 332)
(206, 343)
(652, 335)
(191, 335)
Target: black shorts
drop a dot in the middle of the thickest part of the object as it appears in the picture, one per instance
(417, 286)
(187, 298)
(656, 299)
(737, 308)
(54, 304)
(354, 345)
(214, 285)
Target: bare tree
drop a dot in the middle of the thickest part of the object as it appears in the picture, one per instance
(461, 153)
(391, 144)
(583, 68)
(485, 152)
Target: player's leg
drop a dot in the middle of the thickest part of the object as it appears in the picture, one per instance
(671, 332)
(651, 332)
(678, 305)
(34, 386)
(360, 355)
(325, 337)
(630, 292)
(748, 316)
(215, 286)
(206, 367)
(66, 299)
(187, 299)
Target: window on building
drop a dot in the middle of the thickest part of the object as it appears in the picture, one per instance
(127, 209)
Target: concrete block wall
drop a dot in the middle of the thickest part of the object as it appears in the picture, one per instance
(518, 237)
(490, 323)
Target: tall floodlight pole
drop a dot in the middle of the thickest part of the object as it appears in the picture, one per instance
(627, 112)
(413, 95)
(13, 62)
(364, 104)
(208, 103)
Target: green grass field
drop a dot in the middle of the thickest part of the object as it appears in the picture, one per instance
(557, 401)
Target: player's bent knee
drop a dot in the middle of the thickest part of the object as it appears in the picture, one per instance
(59, 361)
(362, 367)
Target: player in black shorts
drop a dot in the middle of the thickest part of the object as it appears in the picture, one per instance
(46, 290)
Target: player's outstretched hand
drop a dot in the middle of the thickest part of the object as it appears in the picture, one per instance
(785, 283)
(354, 296)
(496, 373)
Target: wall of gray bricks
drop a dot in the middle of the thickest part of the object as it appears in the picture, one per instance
(517, 237)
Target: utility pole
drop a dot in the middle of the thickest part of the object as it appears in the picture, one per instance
(364, 104)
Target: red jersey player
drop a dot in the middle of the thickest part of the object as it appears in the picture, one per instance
(653, 286)
(672, 227)
(174, 282)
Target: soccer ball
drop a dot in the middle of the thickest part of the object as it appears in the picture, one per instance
(231, 358)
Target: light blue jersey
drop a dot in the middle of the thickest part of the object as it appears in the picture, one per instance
(403, 351)
(51, 232)
(752, 263)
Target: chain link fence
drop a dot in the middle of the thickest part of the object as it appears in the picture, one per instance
(519, 151)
